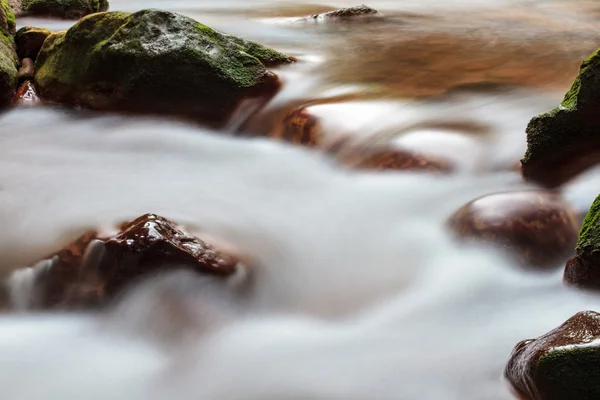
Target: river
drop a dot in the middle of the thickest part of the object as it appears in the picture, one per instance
(360, 292)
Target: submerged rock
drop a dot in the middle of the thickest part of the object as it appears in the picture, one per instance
(167, 64)
(393, 159)
(68, 9)
(26, 95)
(344, 13)
(536, 227)
(560, 365)
(29, 41)
(97, 266)
(564, 142)
(8, 55)
(583, 270)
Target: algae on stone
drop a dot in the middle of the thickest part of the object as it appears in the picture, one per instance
(562, 364)
(70, 9)
(29, 41)
(153, 61)
(8, 56)
(560, 142)
(589, 235)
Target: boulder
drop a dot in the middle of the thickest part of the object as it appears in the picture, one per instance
(563, 364)
(583, 270)
(537, 228)
(67, 9)
(29, 41)
(97, 266)
(565, 141)
(8, 55)
(155, 62)
(26, 70)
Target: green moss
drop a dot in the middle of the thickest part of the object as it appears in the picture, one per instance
(569, 373)
(64, 8)
(569, 126)
(7, 18)
(152, 61)
(589, 235)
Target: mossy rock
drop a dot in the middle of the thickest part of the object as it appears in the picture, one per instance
(157, 62)
(8, 56)
(565, 141)
(68, 9)
(583, 270)
(29, 41)
(563, 364)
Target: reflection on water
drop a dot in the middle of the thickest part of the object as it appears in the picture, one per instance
(359, 291)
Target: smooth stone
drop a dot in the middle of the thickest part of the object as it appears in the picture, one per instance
(535, 227)
(560, 365)
(27, 70)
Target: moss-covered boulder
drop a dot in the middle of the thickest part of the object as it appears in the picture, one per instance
(565, 141)
(583, 270)
(8, 56)
(563, 364)
(68, 9)
(157, 62)
(29, 40)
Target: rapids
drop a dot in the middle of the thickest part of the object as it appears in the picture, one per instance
(358, 291)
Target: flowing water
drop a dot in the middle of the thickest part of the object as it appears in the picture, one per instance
(359, 292)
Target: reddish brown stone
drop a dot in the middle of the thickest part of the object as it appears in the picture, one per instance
(26, 71)
(536, 227)
(26, 95)
(560, 365)
(94, 268)
(389, 158)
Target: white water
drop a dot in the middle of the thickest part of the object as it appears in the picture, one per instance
(360, 293)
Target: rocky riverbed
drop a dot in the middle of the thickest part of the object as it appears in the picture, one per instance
(256, 200)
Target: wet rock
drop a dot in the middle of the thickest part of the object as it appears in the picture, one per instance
(168, 64)
(26, 71)
(560, 365)
(583, 270)
(389, 158)
(67, 9)
(564, 142)
(344, 13)
(26, 95)
(29, 41)
(536, 227)
(96, 267)
(8, 55)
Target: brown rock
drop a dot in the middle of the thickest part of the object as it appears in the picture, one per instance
(94, 268)
(560, 365)
(536, 227)
(29, 41)
(26, 72)
(389, 158)
(344, 13)
(26, 95)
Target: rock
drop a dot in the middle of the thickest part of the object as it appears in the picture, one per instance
(8, 55)
(97, 266)
(535, 227)
(26, 71)
(168, 64)
(26, 95)
(344, 13)
(68, 9)
(583, 270)
(564, 142)
(389, 158)
(29, 41)
(560, 365)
